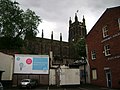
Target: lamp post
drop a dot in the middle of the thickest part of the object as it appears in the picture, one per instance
(84, 64)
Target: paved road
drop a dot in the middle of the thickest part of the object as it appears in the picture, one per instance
(46, 89)
(77, 88)
(63, 88)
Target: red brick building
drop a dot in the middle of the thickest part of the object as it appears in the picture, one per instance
(103, 46)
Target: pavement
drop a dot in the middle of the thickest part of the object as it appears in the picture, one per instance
(69, 87)
(81, 87)
(94, 87)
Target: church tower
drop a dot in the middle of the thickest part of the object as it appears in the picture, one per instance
(77, 29)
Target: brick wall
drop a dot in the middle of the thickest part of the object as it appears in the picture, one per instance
(95, 41)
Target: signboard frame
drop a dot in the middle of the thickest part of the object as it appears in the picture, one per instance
(31, 64)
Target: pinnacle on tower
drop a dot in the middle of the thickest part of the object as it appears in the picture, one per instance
(83, 20)
(70, 21)
(76, 18)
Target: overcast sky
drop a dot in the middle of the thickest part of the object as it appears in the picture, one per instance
(55, 14)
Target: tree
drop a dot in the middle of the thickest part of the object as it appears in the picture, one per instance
(10, 18)
(15, 24)
(31, 24)
(80, 48)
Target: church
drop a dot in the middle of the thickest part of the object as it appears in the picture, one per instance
(61, 51)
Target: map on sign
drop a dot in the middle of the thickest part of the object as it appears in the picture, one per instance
(33, 64)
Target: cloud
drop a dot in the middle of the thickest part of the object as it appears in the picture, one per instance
(56, 13)
(47, 28)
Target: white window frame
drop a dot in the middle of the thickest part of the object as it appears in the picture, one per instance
(94, 74)
(119, 23)
(107, 50)
(105, 31)
(93, 55)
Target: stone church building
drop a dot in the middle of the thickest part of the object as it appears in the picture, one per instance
(62, 52)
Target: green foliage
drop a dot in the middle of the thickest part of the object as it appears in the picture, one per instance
(31, 24)
(10, 43)
(10, 18)
(80, 48)
(16, 24)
